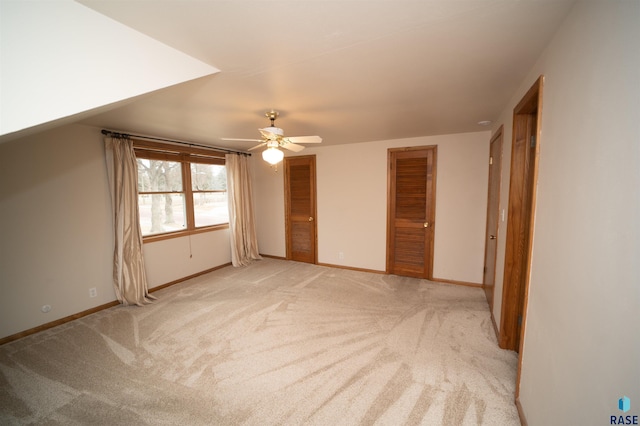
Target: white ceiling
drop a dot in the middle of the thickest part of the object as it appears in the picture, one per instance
(349, 71)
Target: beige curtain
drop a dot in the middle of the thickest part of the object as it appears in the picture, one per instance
(129, 277)
(242, 224)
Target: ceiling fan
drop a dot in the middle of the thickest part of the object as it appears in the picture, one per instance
(273, 137)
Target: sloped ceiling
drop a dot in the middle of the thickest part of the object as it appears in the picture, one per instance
(349, 71)
(60, 59)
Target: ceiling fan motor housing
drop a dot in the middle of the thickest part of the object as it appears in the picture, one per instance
(275, 130)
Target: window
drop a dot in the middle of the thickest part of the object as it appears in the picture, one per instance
(209, 187)
(161, 196)
(180, 190)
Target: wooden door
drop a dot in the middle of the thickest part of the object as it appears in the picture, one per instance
(300, 208)
(493, 213)
(520, 225)
(411, 211)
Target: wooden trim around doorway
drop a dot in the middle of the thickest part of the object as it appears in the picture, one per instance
(518, 256)
(527, 121)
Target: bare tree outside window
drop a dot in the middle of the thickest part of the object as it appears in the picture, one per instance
(160, 196)
(209, 186)
(180, 195)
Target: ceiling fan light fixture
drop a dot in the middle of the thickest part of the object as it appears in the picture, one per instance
(272, 155)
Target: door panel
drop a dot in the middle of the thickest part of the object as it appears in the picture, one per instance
(301, 241)
(409, 244)
(410, 211)
(493, 212)
(300, 208)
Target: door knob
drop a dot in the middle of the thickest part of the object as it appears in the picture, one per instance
(310, 219)
(492, 237)
(426, 224)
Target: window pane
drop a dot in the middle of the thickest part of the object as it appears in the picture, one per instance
(157, 175)
(208, 177)
(161, 213)
(210, 208)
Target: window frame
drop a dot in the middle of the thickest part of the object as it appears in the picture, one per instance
(185, 155)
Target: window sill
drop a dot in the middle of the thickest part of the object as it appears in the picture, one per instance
(184, 233)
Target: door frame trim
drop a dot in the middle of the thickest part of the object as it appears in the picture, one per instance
(431, 219)
(530, 102)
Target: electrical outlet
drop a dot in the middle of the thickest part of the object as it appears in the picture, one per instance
(93, 292)
(341, 255)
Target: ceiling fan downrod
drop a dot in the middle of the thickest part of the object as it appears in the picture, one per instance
(272, 115)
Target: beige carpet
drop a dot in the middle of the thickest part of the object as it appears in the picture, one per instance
(273, 343)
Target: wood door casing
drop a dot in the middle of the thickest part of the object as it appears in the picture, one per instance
(411, 211)
(493, 213)
(300, 208)
(522, 200)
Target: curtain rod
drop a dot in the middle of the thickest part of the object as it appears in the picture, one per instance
(213, 148)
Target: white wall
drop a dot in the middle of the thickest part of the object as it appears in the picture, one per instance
(268, 193)
(56, 233)
(582, 341)
(56, 227)
(176, 258)
(352, 204)
(60, 58)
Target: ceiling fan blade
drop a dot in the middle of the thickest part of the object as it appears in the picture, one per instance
(257, 146)
(291, 146)
(241, 140)
(305, 139)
